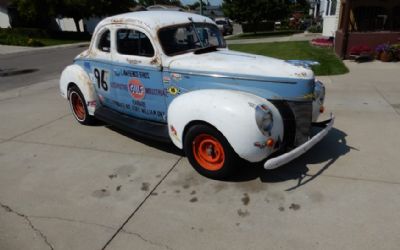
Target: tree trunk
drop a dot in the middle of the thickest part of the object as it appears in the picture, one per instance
(76, 21)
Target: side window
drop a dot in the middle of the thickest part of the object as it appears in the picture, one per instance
(104, 43)
(133, 42)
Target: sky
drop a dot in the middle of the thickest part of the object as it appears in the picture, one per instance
(212, 2)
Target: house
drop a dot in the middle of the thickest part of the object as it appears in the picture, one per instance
(367, 22)
(4, 17)
(330, 14)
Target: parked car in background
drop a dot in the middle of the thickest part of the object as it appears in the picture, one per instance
(224, 25)
(169, 76)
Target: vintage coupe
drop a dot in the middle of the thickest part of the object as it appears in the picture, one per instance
(169, 75)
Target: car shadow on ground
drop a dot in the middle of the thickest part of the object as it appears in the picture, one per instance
(327, 151)
(163, 146)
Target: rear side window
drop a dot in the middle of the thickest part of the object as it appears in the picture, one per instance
(133, 42)
(105, 42)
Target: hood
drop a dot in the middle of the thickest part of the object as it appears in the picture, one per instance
(234, 63)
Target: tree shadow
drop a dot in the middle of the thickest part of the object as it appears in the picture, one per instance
(327, 151)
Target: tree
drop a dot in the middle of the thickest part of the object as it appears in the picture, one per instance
(255, 11)
(80, 9)
(35, 12)
(162, 2)
(195, 5)
(41, 11)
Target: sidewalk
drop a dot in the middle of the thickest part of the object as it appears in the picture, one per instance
(8, 49)
(295, 37)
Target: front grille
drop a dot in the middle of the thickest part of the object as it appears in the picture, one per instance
(303, 115)
(297, 117)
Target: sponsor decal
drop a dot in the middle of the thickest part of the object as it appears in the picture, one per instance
(139, 103)
(159, 92)
(148, 91)
(132, 73)
(92, 104)
(176, 76)
(174, 90)
(120, 86)
(166, 79)
(136, 89)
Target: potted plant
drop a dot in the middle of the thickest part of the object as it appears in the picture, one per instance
(384, 52)
(396, 51)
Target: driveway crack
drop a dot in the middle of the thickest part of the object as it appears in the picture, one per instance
(147, 240)
(141, 204)
(26, 218)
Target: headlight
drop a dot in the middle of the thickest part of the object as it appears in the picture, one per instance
(264, 119)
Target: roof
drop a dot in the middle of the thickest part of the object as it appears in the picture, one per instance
(155, 19)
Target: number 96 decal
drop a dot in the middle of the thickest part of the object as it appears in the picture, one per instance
(102, 79)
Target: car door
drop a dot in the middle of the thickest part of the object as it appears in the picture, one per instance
(137, 75)
(100, 66)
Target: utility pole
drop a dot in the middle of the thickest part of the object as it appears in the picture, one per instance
(201, 7)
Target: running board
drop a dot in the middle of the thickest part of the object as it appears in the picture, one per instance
(140, 127)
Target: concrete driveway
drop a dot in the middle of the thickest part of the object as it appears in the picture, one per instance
(67, 186)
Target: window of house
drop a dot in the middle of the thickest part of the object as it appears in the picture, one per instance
(370, 18)
(396, 18)
(333, 7)
(105, 42)
(133, 42)
(328, 6)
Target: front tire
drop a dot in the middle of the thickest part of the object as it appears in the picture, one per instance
(209, 152)
(78, 106)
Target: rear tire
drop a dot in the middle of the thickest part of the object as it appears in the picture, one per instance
(209, 152)
(78, 106)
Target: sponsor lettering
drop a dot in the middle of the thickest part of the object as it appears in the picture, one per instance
(137, 90)
(131, 73)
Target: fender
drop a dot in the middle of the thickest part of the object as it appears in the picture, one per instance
(76, 74)
(231, 112)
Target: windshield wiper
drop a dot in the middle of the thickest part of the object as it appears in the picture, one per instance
(211, 48)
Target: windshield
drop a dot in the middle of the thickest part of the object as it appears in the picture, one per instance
(182, 39)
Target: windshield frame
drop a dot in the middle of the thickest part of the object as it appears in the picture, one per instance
(223, 46)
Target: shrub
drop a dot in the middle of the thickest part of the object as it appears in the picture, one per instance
(315, 29)
(258, 27)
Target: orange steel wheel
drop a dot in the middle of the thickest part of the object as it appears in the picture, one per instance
(78, 106)
(208, 152)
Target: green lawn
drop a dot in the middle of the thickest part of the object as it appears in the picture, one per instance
(39, 38)
(330, 63)
(277, 33)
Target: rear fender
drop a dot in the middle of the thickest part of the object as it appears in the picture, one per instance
(76, 75)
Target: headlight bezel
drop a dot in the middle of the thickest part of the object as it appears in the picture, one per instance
(264, 119)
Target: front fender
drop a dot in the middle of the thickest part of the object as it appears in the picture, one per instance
(231, 112)
(75, 74)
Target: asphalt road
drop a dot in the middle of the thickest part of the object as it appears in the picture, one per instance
(23, 69)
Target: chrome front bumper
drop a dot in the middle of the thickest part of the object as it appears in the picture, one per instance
(291, 155)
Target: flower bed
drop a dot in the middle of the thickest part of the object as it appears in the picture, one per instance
(322, 42)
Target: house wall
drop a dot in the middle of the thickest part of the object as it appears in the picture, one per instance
(371, 39)
(330, 21)
(4, 19)
(67, 24)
